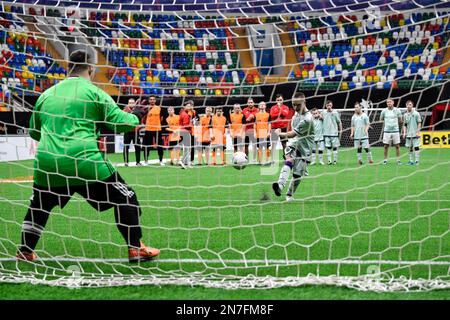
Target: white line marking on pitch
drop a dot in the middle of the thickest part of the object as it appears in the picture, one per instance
(249, 261)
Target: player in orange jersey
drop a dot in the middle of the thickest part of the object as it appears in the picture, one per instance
(204, 136)
(173, 127)
(262, 131)
(218, 139)
(236, 127)
(153, 133)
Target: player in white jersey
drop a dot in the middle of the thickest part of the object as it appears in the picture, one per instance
(391, 118)
(319, 145)
(298, 148)
(411, 131)
(332, 129)
(360, 133)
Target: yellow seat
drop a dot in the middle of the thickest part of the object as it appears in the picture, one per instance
(435, 71)
(198, 92)
(369, 79)
(182, 92)
(376, 78)
(416, 59)
(329, 61)
(149, 78)
(218, 92)
(305, 48)
(335, 61)
(304, 74)
(382, 23)
(386, 41)
(344, 85)
(353, 42)
(409, 59)
(401, 22)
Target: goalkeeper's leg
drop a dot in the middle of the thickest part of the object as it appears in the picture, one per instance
(44, 199)
(114, 192)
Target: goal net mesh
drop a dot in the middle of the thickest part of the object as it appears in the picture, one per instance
(371, 227)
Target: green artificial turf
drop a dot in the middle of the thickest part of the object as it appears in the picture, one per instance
(221, 222)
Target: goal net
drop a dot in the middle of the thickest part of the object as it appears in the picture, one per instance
(380, 227)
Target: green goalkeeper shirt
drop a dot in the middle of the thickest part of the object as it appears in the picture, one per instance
(66, 122)
(412, 120)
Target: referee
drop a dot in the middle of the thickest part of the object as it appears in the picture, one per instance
(68, 160)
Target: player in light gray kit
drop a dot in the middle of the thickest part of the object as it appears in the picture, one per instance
(319, 144)
(360, 133)
(391, 117)
(411, 131)
(332, 129)
(298, 148)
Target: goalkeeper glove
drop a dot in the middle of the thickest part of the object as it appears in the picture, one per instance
(138, 113)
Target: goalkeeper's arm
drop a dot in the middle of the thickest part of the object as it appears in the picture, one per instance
(117, 119)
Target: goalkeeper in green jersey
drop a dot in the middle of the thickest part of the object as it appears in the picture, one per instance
(66, 121)
(411, 132)
(360, 133)
(298, 148)
(332, 130)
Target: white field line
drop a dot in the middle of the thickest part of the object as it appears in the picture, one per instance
(250, 261)
(14, 181)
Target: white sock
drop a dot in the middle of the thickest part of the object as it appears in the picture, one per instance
(335, 155)
(410, 156)
(284, 175)
(329, 155)
(293, 186)
(313, 157)
(369, 155)
(321, 157)
(417, 155)
(359, 154)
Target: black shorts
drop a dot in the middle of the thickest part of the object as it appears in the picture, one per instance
(153, 138)
(173, 144)
(132, 137)
(101, 195)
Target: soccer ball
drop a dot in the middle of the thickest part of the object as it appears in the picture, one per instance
(240, 160)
